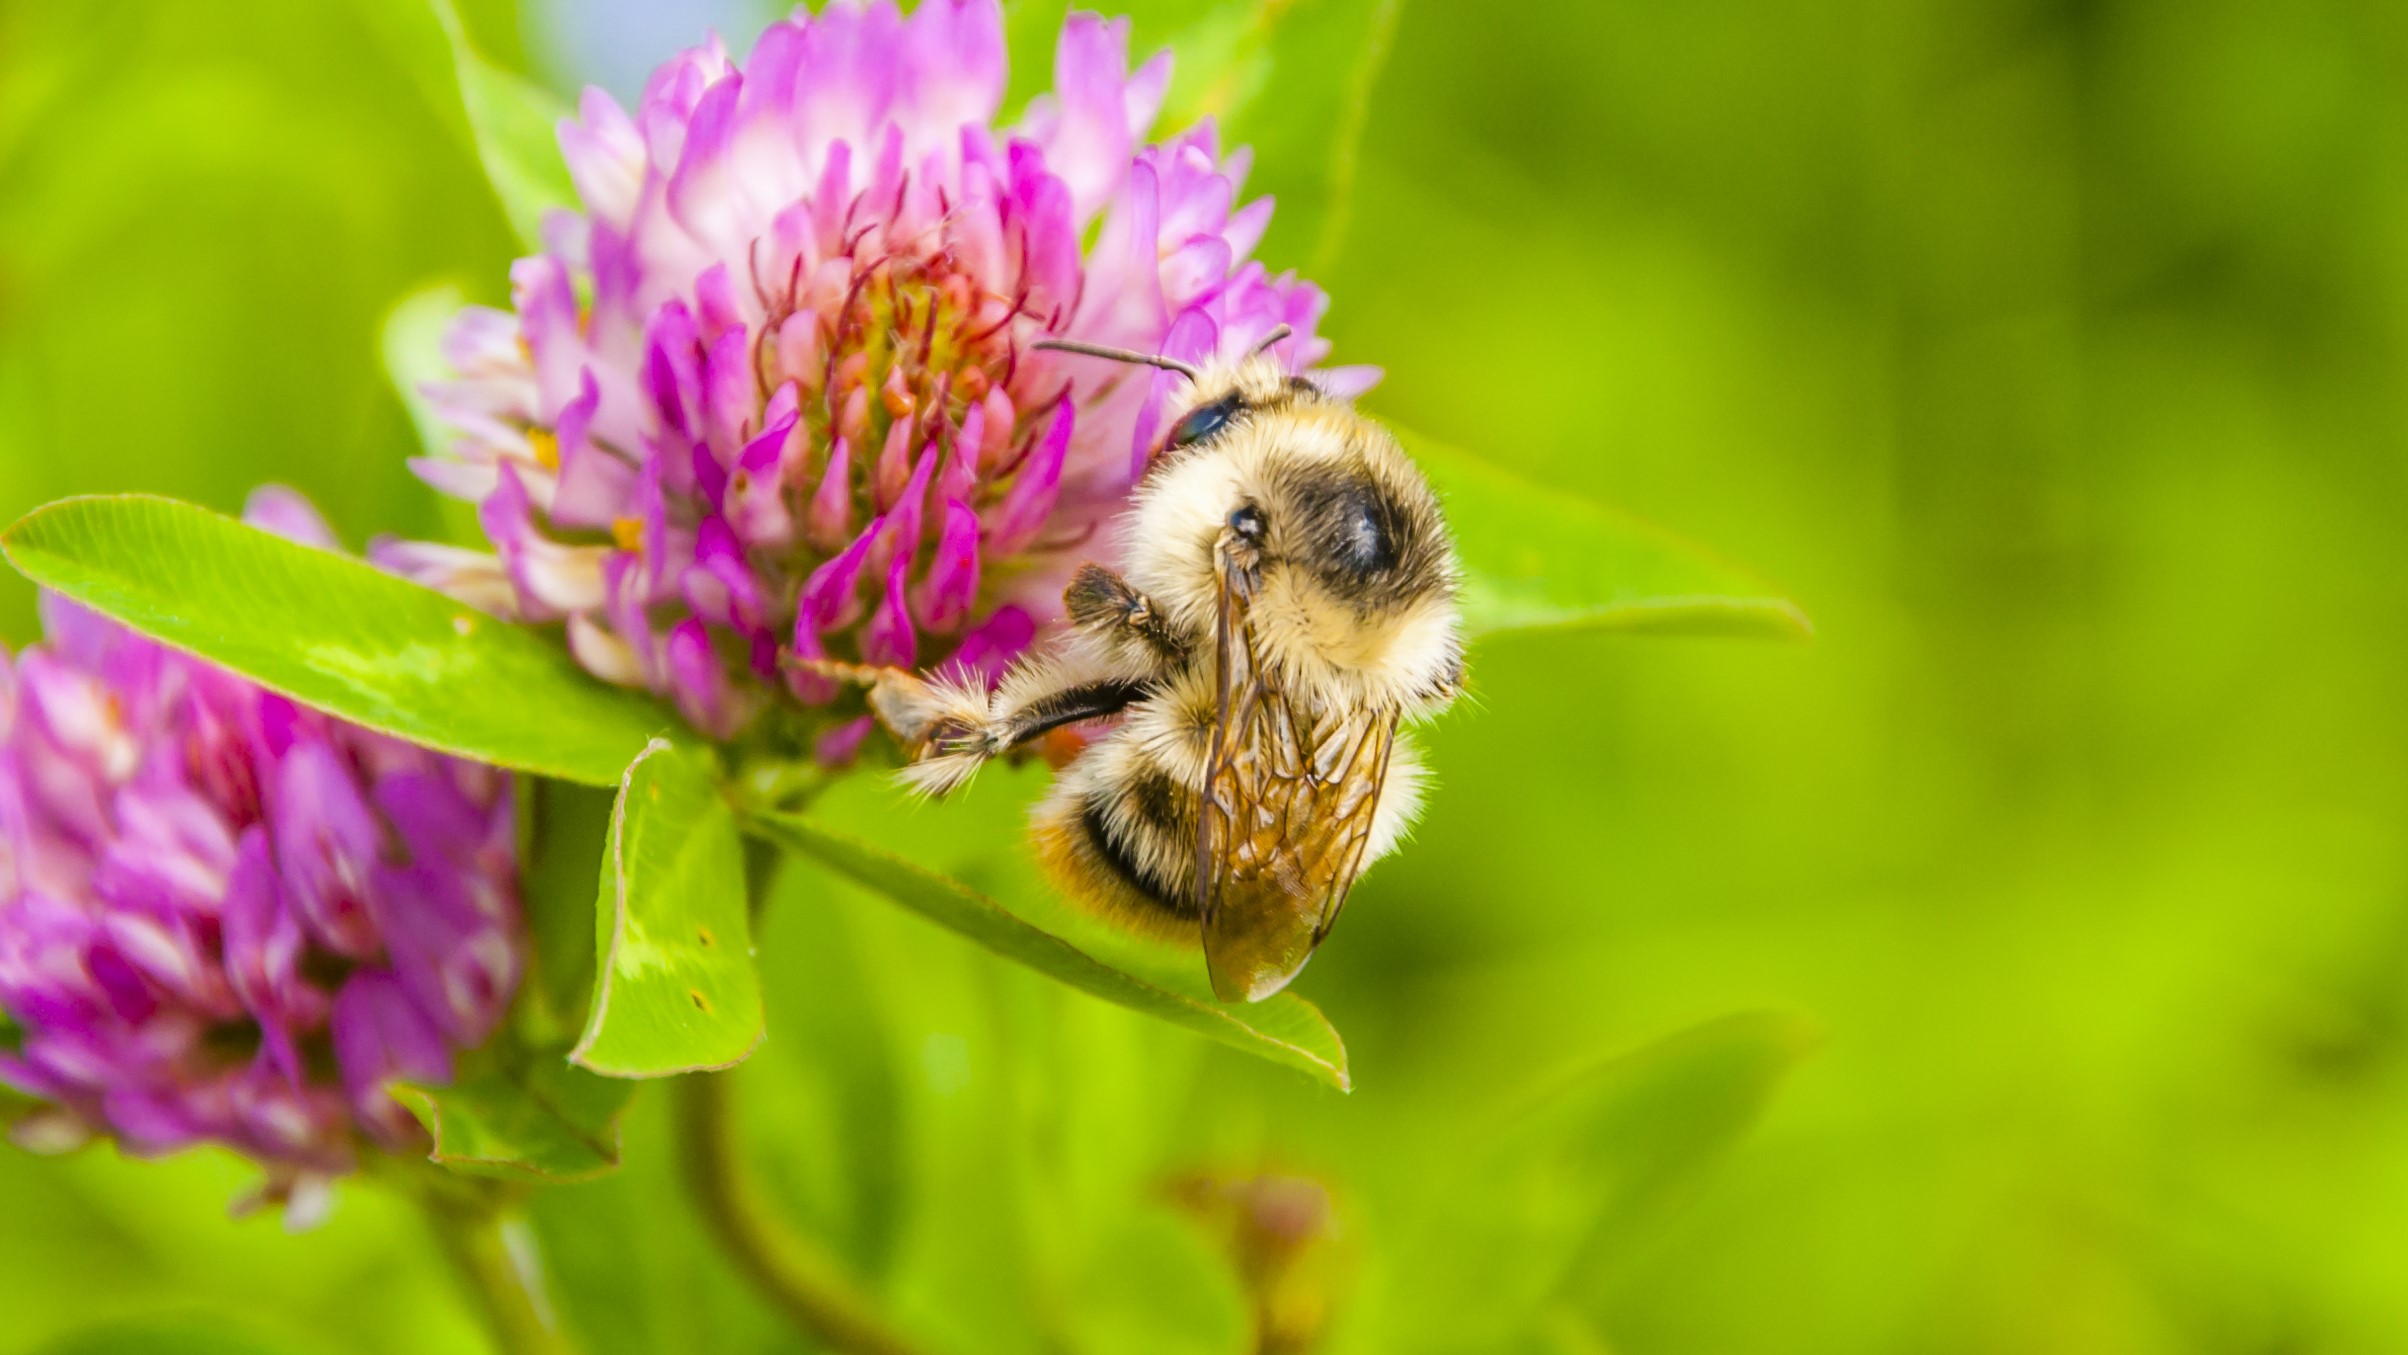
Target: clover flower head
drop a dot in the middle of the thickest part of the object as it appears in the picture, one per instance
(228, 919)
(771, 393)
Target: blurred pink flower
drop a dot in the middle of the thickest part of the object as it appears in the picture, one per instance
(228, 919)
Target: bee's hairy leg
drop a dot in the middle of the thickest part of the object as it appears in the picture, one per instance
(925, 715)
(954, 727)
(1064, 706)
(1105, 606)
(1441, 691)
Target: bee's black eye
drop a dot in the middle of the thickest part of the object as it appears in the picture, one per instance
(1202, 422)
(1361, 540)
(1249, 524)
(1352, 532)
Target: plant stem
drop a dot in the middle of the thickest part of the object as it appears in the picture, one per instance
(493, 1253)
(792, 1272)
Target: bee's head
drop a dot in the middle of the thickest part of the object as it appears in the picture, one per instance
(1353, 570)
(1336, 512)
(1355, 580)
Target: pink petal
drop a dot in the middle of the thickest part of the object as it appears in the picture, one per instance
(830, 599)
(951, 586)
(889, 637)
(829, 520)
(290, 515)
(605, 156)
(1016, 521)
(837, 748)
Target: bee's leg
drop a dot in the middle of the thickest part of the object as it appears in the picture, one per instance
(1103, 605)
(1440, 693)
(957, 728)
(918, 711)
(1062, 706)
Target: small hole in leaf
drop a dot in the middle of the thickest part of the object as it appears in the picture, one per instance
(701, 1003)
(463, 624)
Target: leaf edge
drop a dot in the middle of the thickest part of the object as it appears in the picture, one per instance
(792, 832)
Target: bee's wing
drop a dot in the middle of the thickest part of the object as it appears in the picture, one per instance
(1285, 816)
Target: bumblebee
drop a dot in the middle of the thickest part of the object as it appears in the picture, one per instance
(1287, 600)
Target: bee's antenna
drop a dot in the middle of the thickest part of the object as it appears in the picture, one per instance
(1269, 339)
(1095, 350)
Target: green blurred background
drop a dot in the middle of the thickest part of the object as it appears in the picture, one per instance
(2050, 354)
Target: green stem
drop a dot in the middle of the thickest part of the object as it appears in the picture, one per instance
(805, 1283)
(492, 1251)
